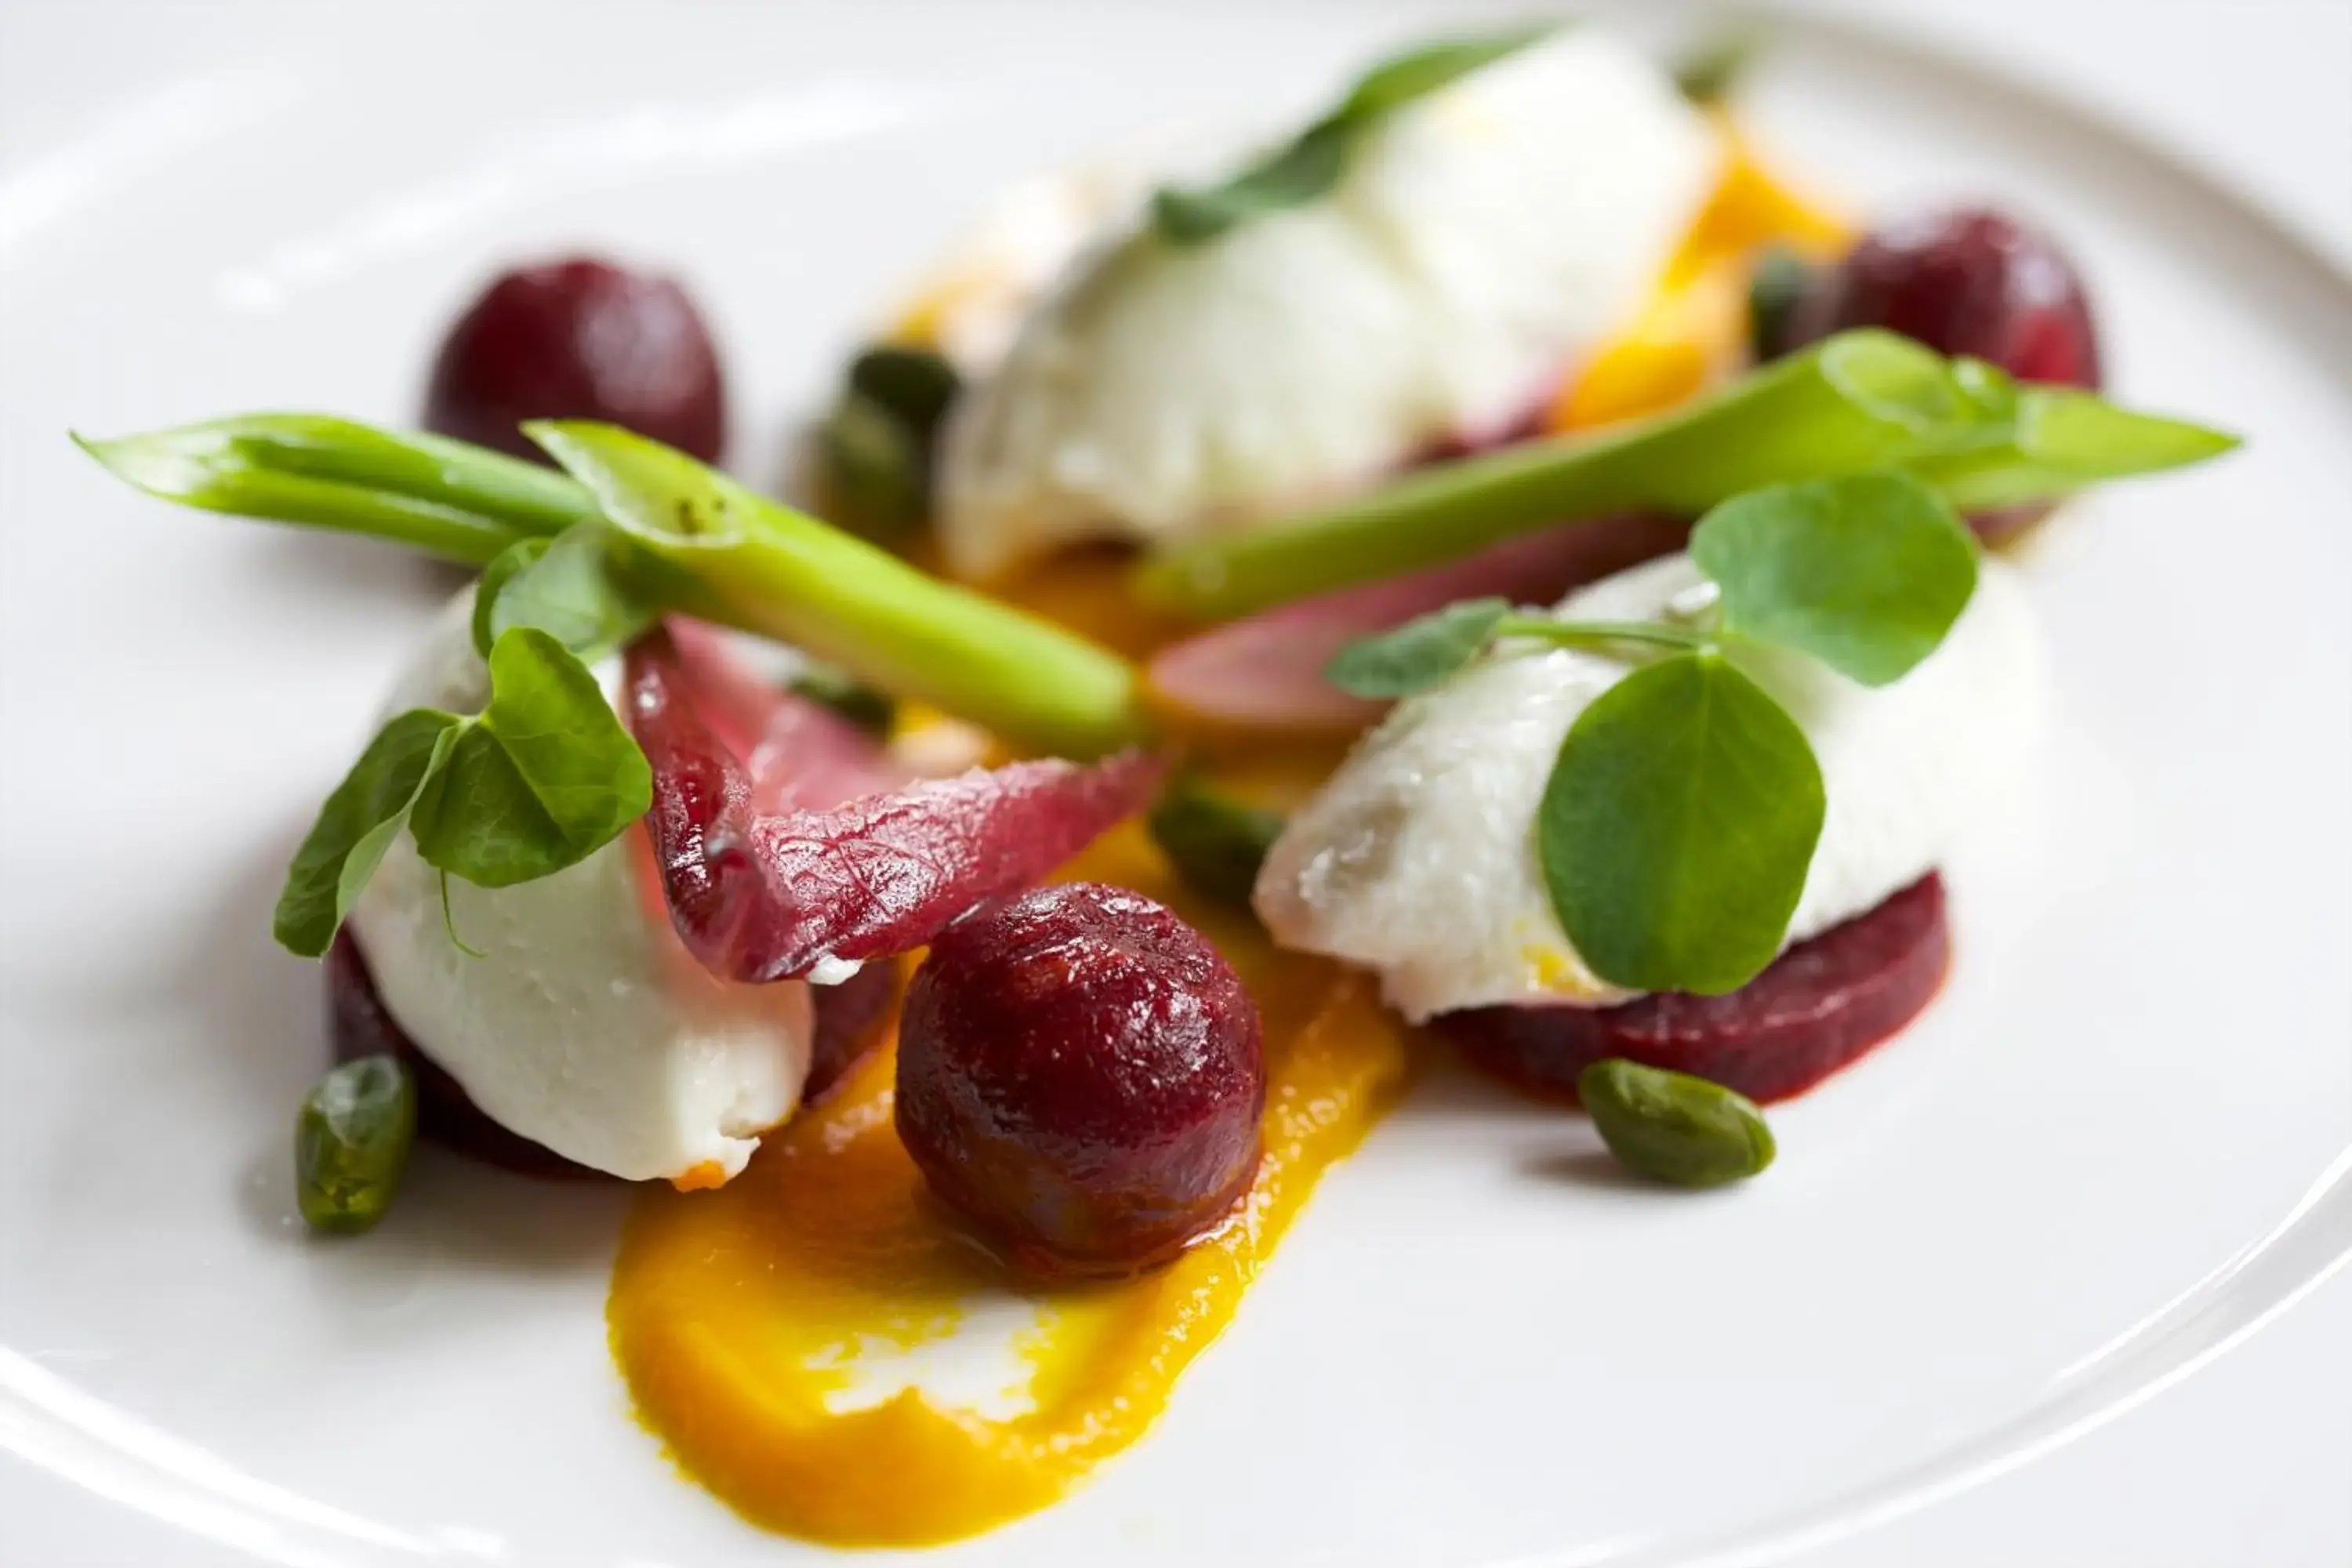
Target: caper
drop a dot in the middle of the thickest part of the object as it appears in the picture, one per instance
(1672, 1127)
(915, 386)
(869, 708)
(873, 471)
(352, 1142)
(1775, 284)
(1215, 843)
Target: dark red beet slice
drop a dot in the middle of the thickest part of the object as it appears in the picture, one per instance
(1820, 1005)
(360, 1025)
(1266, 672)
(766, 895)
(580, 338)
(1081, 1074)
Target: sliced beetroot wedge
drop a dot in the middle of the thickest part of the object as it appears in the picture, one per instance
(1266, 672)
(1820, 1005)
(763, 895)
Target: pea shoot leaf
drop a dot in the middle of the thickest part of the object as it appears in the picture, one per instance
(546, 777)
(575, 587)
(357, 824)
(1865, 573)
(1677, 824)
(1311, 163)
(1418, 655)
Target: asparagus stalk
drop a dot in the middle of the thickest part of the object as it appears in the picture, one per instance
(460, 502)
(743, 561)
(756, 565)
(1860, 400)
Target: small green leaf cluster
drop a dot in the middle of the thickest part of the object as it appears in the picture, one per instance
(1680, 816)
(542, 777)
(1310, 163)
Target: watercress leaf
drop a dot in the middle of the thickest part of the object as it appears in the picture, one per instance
(358, 823)
(1417, 655)
(1677, 826)
(577, 587)
(1709, 72)
(1310, 163)
(1215, 842)
(1291, 176)
(545, 778)
(1427, 68)
(1865, 573)
(522, 553)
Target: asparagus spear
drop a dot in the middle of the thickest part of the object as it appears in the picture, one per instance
(1861, 400)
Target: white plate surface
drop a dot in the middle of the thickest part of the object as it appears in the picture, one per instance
(2115, 1147)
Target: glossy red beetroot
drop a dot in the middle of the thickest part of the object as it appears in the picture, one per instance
(580, 338)
(1820, 1005)
(1081, 1074)
(1266, 671)
(1965, 281)
(760, 895)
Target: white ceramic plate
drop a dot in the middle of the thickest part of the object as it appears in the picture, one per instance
(2115, 1146)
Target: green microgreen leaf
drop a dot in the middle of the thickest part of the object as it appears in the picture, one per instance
(1426, 651)
(1418, 655)
(357, 824)
(546, 777)
(1215, 842)
(1310, 163)
(1677, 826)
(1865, 573)
(574, 587)
(1709, 72)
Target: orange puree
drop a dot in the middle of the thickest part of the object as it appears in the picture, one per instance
(743, 1318)
(758, 1325)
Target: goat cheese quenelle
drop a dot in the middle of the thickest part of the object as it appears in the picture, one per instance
(1619, 510)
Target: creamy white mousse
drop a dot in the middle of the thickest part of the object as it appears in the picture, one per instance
(1418, 860)
(584, 1025)
(1481, 241)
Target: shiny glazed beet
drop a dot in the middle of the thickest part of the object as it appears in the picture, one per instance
(1081, 1075)
(1821, 1004)
(1965, 280)
(579, 339)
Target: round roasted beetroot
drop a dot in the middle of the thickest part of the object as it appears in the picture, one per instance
(1963, 280)
(579, 339)
(1081, 1075)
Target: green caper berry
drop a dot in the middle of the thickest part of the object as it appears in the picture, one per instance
(1215, 843)
(1672, 1127)
(351, 1141)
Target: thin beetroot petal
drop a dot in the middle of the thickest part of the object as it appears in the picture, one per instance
(1266, 672)
(765, 894)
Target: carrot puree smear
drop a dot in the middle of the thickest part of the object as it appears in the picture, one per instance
(745, 1319)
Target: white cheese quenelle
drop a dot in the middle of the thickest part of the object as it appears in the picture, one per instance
(584, 1025)
(1417, 860)
(1481, 241)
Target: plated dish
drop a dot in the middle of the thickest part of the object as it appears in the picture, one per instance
(1651, 825)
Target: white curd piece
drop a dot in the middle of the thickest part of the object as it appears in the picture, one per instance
(1481, 240)
(1418, 860)
(585, 1025)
